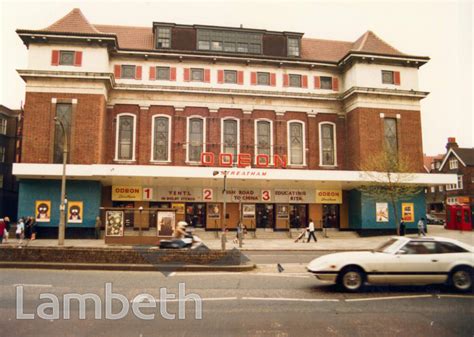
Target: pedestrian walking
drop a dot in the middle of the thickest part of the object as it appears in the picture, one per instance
(33, 228)
(421, 227)
(238, 233)
(311, 231)
(20, 230)
(6, 230)
(402, 228)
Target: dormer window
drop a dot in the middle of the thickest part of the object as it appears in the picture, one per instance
(293, 46)
(453, 164)
(229, 41)
(163, 39)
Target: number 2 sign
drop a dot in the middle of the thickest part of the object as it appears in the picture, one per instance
(207, 194)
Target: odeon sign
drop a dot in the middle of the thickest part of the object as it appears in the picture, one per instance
(243, 160)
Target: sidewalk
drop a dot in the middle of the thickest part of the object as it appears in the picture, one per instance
(323, 244)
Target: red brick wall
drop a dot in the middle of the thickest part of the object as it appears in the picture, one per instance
(365, 135)
(87, 128)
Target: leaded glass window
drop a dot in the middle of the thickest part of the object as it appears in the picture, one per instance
(161, 139)
(293, 47)
(295, 80)
(263, 78)
(296, 143)
(128, 71)
(230, 76)
(164, 38)
(197, 75)
(229, 41)
(387, 77)
(66, 58)
(264, 139)
(327, 144)
(390, 133)
(326, 82)
(125, 138)
(63, 114)
(163, 73)
(196, 135)
(230, 137)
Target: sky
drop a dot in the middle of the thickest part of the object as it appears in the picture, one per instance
(442, 30)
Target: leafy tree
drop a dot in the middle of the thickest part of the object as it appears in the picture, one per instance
(389, 177)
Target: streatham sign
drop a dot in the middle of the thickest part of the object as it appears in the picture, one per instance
(242, 160)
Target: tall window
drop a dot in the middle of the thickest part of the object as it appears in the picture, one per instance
(64, 114)
(163, 37)
(390, 134)
(263, 138)
(327, 144)
(161, 138)
(296, 143)
(453, 164)
(230, 137)
(125, 137)
(3, 126)
(293, 47)
(195, 138)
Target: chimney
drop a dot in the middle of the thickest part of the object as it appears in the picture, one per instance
(451, 143)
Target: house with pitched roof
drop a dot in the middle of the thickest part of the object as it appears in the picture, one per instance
(163, 116)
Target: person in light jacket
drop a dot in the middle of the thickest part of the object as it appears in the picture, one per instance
(421, 227)
(311, 231)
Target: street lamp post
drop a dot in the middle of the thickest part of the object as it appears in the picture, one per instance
(62, 207)
(224, 209)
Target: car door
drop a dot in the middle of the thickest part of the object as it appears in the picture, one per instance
(417, 262)
(449, 255)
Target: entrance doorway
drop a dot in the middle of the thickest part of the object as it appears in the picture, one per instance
(196, 215)
(153, 216)
(128, 215)
(265, 215)
(330, 216)
(298, 216)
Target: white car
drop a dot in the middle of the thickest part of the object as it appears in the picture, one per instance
(400, 260)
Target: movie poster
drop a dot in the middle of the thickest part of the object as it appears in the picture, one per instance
(381, 212)
(166, 223)
(248, 211)
(75, 212)
(408, 212)
(213, 211)
(43, 210)
(114, 223)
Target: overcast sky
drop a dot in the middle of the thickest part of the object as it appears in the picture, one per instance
(441, 30)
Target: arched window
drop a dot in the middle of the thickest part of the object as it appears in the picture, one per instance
(296, 143)
(327, 144)
(264, 138)
(230, 137)
(195, 135)
(161, 134)
(125, 137)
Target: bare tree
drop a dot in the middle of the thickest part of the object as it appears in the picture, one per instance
(389, 177)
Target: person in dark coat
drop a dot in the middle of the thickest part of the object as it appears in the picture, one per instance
(402, 228)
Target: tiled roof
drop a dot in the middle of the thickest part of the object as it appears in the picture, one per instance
(141, 38)
(466, 154)
(74, 22)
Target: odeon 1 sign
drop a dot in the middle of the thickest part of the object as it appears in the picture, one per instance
(242, 160)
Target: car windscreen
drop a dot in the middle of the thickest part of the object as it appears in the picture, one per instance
(385, 247)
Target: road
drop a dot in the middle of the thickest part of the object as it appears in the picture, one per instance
(259, 303)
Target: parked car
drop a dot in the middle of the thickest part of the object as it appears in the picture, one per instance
(400, 260)
(431, 220)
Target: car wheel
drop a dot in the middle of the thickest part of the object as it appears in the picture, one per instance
(461, 278)
(351, 279)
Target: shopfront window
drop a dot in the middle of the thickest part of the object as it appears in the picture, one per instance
(196, 215)
(265, 216)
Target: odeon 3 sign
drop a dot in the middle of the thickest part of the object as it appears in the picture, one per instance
(242, 160)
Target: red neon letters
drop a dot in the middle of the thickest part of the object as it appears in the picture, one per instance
(243, 160)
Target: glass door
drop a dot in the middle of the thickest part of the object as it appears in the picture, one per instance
(298, 216)
(196, 215)
(331, 216)
(265, 216)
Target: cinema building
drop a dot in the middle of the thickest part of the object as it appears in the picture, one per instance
(159, 116)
